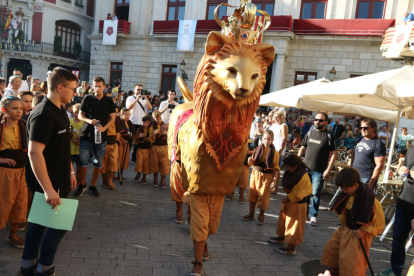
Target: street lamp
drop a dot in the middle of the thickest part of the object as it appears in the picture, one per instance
(183, 73)
(332, 74)
(19, 16)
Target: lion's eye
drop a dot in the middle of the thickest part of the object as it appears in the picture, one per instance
(232, 70)
(255, 76)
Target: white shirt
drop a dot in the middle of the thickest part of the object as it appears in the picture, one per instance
(10, 92)
(382, 134)
(253, 128)
(277, 142)
(167, 113)
(137, 113)
(69, 115)
(23, 87)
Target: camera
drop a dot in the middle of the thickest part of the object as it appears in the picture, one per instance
(172, 106)
(144, 92)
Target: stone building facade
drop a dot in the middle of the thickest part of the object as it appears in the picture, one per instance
(34, 52)
(349, 44)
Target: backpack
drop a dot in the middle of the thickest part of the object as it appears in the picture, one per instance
(350, 143)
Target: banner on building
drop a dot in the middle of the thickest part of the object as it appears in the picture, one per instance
(186, 34)
(400, 39)
(109, 32)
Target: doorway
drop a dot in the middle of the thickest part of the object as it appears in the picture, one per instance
(23, 65)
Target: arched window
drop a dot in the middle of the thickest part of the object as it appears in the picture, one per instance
(70, 34)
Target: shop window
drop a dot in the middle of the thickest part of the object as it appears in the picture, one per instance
(70, 34)
(313, 9)
(122, 9)
(305, 77)
(176, 10)
(370, 9)
(211, 6)
(265, 5)
(116, 72)
(169, 75)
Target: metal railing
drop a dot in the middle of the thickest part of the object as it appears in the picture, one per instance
(44, 48)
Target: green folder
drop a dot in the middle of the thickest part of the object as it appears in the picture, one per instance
(42, 213)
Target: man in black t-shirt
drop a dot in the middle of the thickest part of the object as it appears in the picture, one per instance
(369, 153)
(318, 144)
(48, 168)
(95, 109)
(338, 131)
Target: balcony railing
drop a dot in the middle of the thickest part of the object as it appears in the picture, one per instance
(281, 23)
(346, 27)
(44, 48)
(123, 27)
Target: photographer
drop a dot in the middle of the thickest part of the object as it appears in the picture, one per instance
(167, 107)
(138, 104)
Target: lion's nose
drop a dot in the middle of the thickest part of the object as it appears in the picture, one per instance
(242, 90)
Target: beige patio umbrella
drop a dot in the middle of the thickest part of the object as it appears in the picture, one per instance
(387, 91)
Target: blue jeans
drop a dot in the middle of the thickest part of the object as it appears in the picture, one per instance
(316, 178)
(85, 150)
(402, 228)
(48, 243)
(365, 180)
(280, 161)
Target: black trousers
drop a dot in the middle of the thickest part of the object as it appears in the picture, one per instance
(134, 154)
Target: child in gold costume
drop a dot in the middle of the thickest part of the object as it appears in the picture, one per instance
(362, 218)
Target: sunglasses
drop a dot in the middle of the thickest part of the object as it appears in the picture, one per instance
(12, 97)
(319, 120)
(365, 128)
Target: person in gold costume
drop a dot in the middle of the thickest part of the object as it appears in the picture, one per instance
(208, 134)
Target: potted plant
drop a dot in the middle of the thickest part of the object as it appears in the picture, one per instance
(57, 45)
(77, 47)
(20, 35)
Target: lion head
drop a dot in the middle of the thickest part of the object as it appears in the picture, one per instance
(227, 87)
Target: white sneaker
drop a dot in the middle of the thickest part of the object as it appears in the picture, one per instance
(313, 221)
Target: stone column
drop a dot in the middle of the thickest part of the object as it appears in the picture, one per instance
(84, 74)
(35, 68)
(278, 72)
(4, 61)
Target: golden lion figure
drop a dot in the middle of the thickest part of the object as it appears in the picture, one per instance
(207, 135)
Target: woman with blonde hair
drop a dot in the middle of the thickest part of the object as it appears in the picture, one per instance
(35, 87)
(43, 87)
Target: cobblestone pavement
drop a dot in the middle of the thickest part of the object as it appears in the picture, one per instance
(130, 231)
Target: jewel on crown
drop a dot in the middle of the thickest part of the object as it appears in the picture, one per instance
(241, 26)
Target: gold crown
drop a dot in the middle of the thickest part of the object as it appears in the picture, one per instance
(241, 26)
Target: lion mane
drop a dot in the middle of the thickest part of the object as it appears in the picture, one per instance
(224, 121)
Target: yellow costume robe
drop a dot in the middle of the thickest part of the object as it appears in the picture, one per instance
(259, 189)
(343, 249)
(143, 153)
(159, 162)
(110, 160)
(292, 216)
(13, 195)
